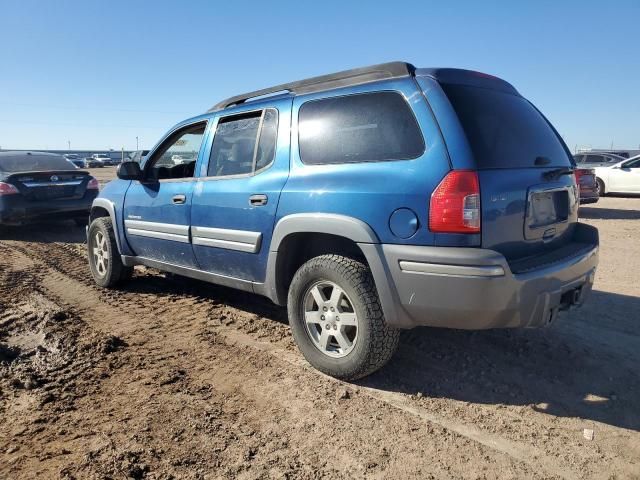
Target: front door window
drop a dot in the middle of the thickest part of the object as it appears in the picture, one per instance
(177, 157)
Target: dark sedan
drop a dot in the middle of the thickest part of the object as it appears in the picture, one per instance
(586, 180)
(36, 185)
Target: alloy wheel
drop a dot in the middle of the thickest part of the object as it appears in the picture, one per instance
(100, 253)
(330, 318)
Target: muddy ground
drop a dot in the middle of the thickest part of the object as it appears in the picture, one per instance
(174, 378)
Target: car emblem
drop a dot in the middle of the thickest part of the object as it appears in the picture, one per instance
(54, 178)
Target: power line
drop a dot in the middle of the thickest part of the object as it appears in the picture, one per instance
(81, 125)
(109, 109)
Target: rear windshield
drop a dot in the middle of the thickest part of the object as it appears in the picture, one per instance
(29, 163)
(505, 130)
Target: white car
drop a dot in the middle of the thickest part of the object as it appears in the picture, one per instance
(622, 177)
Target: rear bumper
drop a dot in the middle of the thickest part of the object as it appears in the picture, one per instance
(588, 196)
(471, 288)
(15, 209)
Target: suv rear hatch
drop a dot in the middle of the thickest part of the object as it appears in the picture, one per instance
(529, 199)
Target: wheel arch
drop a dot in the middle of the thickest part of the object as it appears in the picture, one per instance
(300, 237)
(102, 207)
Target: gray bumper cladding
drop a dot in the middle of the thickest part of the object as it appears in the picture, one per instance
(470, 288)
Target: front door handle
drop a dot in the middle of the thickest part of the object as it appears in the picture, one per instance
(179, 199)
(258, 200)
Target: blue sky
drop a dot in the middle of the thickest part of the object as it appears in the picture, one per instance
(100, 73)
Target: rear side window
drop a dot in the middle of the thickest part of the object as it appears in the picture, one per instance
(505, 130)
(243, 144)
(369, 127)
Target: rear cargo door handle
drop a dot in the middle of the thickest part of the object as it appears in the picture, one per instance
(258, 200)
(179, 199)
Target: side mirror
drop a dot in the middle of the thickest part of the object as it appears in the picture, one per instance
(129, 171)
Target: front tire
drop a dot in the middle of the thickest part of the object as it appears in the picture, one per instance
(336, 318)
(600, 189)
(105, 263)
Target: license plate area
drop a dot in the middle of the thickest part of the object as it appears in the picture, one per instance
(548, 212)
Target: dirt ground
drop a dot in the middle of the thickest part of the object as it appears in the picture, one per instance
(173, 378)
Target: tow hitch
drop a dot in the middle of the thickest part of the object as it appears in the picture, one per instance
(571, 298)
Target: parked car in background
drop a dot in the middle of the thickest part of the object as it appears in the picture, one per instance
(586, 180)
(596, 159)
(79, 162)
(76, 160)
(104, 158)
(327, 199)
(92, 162)
(620, 154)
(622, 177)
(138, 155)
(36, 185)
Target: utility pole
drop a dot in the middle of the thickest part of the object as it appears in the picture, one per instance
(69, 145)
(137, 147)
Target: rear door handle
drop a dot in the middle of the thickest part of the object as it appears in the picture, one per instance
(179, 199)
(258, 200)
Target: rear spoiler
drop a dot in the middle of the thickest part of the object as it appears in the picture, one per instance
(458, 76)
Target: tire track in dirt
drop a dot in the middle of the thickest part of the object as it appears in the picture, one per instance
(68, 290)
(66, 263)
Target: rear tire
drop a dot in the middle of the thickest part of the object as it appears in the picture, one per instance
(601, 191)
(105, 263)
(336, 318)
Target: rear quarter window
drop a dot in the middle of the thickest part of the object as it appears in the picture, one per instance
(505, 130)
(370, 127)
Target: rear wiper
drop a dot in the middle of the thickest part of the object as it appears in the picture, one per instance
(557, 173)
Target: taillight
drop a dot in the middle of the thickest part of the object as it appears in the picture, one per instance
(93, 184)
(7, 189)
(581, 177)
(455, 203)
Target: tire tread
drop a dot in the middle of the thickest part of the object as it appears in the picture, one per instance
(384, 339)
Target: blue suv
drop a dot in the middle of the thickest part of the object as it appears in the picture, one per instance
(366, 201)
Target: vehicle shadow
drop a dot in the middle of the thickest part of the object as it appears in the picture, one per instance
(608, 213)
(160, 283)
(583, 366)
(44, 232)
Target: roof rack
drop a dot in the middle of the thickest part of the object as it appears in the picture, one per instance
(345, 78)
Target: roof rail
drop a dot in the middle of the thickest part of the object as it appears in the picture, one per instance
(345, 78)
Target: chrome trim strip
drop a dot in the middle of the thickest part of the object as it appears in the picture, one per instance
(459, 270)
(171, 228)
(241, 240)
(242, 236)
(160, 235)
(49, 184)
(210, 242)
